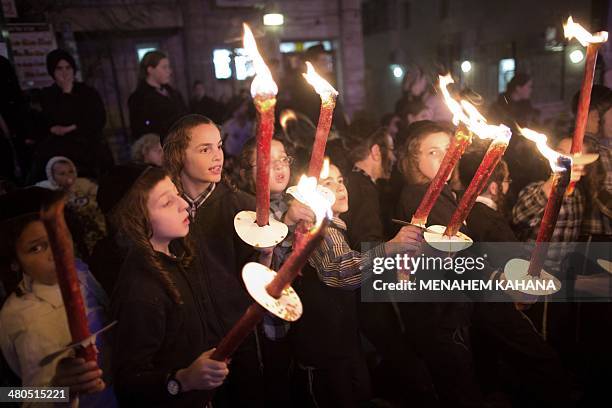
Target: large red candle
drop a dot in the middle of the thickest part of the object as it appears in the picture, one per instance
(592, 42)
(459, 143)
(561, 179)
(479, 181)
(288, 272)
(265, 130)
(63, 256)
(328, 103)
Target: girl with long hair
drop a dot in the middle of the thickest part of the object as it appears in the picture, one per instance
(161, 337)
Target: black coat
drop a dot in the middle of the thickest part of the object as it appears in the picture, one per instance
(363, 218)
(448, 315)
(85, 145)
(155, 336)
(492, 235)
(82, 107)
(220, 255)
(152, 112)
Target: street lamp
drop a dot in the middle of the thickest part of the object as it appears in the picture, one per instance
(273, 19)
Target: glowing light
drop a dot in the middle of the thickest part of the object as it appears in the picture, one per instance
(576, 56)
(575, 30)
(466, 113)
(262, 84)
(325, 170)
(320, 85)
(541, 141)
(466, 66)
(273, 19)
(398, 72)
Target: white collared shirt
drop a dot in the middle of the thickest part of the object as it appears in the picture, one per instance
(487, 201)
(34, 325)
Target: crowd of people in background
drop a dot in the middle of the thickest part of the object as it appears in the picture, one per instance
(156, 250)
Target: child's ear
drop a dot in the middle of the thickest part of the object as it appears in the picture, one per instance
(493, 189)
(375, 152)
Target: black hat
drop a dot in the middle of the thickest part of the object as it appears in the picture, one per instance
(55, 56)
(25, 201)
(116, 183)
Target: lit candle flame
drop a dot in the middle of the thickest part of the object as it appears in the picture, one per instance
(287, 115)
(540, 140)
(309, 195)
(466, 113)
(325, 169)
(575, 30)
(263, 83)
(320, 85)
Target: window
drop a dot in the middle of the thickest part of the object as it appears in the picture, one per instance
(289, 47)
(222, 61)
(506, 72)
(244, 65)
(142, 49)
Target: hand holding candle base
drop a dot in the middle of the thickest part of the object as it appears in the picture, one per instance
(436, 238)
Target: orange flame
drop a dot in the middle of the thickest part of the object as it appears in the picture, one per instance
(575, 30)
(466, 113)
(540, 140)
(325, 169)
(320, 85)
(287, 115)
(312, 197)
(262, 84)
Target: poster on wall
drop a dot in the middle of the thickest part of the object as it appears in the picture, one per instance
(30, 44)
(8, 9)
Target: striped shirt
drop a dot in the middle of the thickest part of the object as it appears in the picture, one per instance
(527, 215)
(195, 203)
(337, 264)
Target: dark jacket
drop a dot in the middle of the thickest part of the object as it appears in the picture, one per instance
(82, 107)
(152, 112)
(328, 329)
(492, 235)
(448, 315)
(105, 262)
(363, 219)
(155, 336)
(210, 108)
(220, 255)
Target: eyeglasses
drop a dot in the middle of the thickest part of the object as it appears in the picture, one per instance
(285, 161)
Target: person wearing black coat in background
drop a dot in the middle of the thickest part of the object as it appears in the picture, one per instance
(75, 117)
(372, 155)
(155, 105)
(438, 330)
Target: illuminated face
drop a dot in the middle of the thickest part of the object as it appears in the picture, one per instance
(167, 212)
(432, 151)
(388, 156)
(64, 175)
(63, 74)
(523, 92)
(34, 254)
(280, 170)
(161, 73)
(203, 160)
(335, 182)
